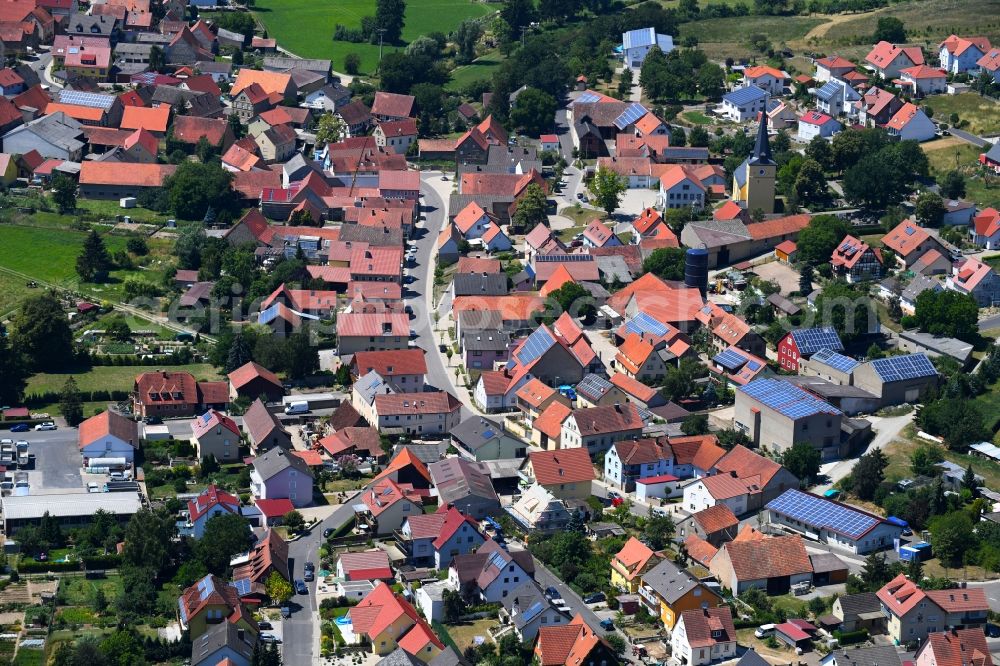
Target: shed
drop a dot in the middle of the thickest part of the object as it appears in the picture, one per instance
(786, 251)
(795, 633)
(828, 569)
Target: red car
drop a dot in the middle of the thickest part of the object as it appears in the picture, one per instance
(616, 499)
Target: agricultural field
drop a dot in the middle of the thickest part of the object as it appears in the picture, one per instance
(306, 28)
(982, 115)
(927, 22)
(726, 37)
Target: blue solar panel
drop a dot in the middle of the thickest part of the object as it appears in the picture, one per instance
(835, 360)
(588, 98)
(811, 340)
(742, 96)
(489, 434)
(731, 360)
(817, 513)
(753, 365)
(534, 346)
(787, 399)
(242, 586)
(644, 323)
(899, 368)
(80, 98)
(634, 112)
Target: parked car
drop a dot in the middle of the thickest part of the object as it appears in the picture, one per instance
(286, 611)
(594, 598)
(551, 592)
(300, 586)
(607, 624)
(48, 425)
(153, 420)
(764, 630)
(20, 427)
(269, 638)
(93, 487)
(616, 499)
(328, 532)
(263, 624)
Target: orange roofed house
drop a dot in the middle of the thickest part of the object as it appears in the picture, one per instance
(629, 563)
(172, 393)
(914, 613)
(957, 647)
(388, 621)
(566, 473)
(573, 644)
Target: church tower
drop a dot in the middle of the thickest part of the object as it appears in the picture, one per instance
(753, 181)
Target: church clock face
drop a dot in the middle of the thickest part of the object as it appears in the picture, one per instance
(761, 172)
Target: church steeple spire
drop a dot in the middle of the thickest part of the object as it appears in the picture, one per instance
(762, 147)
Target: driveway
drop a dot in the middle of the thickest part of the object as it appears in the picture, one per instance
(886, 430)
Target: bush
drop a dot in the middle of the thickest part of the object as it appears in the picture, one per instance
(851, 637)
(25, 566)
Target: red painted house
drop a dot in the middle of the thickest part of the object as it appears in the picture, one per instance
(803, 343)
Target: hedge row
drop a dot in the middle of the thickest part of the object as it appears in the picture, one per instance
(135, 359)
(50, 397)
(90, 563)
(851, 637)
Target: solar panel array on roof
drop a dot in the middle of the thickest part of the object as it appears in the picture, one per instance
(644, 323)
(753, 365)
(497, 559)
(634, 112)
(745, 95)
(730, 359)
(205, 587)
(811, 340)
(818, 512)
(80, 98)
(242, 586)
(835, 360)
(898, 368)
(588, 98)
(787, 399)
(543, 258)
(536, 344)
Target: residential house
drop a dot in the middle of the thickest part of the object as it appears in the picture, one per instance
(189, 130)
(466, 486)
(279, 475)
(355, 441)
(486, 348)
(888, 60)
(990, 64)
(738, 366)
(389, 622)
(919, 284)
(629, 564)
(540, 511)
(108, 180)
(910, 123)
(743, 104)
(860, 611)
(977, 279)
(396, 135)
(416, 413)
(772, 564)
(526, 610)
(913, 613)
(478, 438)
(776, 414)
(206, 505)
(387, 504)
(836, 98)
(856, 261)
(491, 573)
(704, 636)
(803, 343)
(404, 369)
(636, 45)
(679, 188)
(985, 229)
(668, 590)
(216, 435)
(254, 381)
(958, 212)
(635, 391)
(597, 234)
(768, 79)
(573, 644)
(832, 67)
(277, 144)
(365, 565)
(372, 331)
(923, 80)
(251, 570)
(630, 461)
(211, 601)
(909, 242)
(637, 358)
(956, 647)
(597, 428)
(566, 474)
(435, 539)
(263, 429)
(814, 124)
(831, 522)
(223, 643)
(716, 525)
(176, 393)
(108, 435)
(729, 330)
(877, 107)
(958, 55)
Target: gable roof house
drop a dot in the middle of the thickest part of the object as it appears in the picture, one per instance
(173, 393)
(716, 525)
(597, 428)
(526, 610)
(206, 505)
(910, 123)
(910, 242)
(466, 486)
(832, 67)
(911, 610)
(856, 261)
(389, 622)
(860, 611)
(108, 435)
(211, 601)
(573, 644)
(629, 564)
(254, 381)
(773, 564)
(704, 636)
(437, 538)
(216, 435)
(629, 462)
(279, 475)
(385, 505)
(263, 429)
(108, 180)
(252, 569)
(491, 573)
(958, 55)
(957, 647)
(565, 473)
(888, 60)
(392, 106)
(977, 279)
(985, 229)
(481, 439)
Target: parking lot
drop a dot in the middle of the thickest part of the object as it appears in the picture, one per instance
(57, 460)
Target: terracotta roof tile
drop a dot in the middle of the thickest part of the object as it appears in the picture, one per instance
(561, 466)
(768, 558)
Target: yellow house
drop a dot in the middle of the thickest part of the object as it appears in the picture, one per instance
(629, 563)
(566, 473)
(8, 169)
(212, 601)
(668, 590)
(389, 621)
(546, 430)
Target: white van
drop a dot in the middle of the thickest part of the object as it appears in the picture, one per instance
(764, 630)
(300, 407)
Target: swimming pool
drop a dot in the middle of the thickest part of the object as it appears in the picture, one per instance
(342, 620)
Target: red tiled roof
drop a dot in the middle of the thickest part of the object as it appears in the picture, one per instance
(189, 129)
(958, 647)
(702, 451)
(393, 105)
(495, 382)
(607, 419)
(269, 82)
(366, 565)
(904, 237)
(209, 498)
(153, 119)
(106, 424)
(535, 392)
(633, 387)
(477, 265)
(209, 420)
(248, 372)
(758, 71)
(632, 559)
(439, 402)
(781, 226)
(403, 460)
(771, 557)
(566, 645)
(381, 609)
(390, 363)
(561, 466)
(884, 53)
(746, 463)
(987, 222)
(352, 324)
(364, 440)
(700, 550)
(960, 600)
(35, 97)
(550, 421)
(136, 175)
(700, 625)
(716, 518)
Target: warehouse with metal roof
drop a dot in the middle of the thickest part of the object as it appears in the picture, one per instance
(70, 509)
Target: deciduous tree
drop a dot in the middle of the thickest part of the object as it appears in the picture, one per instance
(608, 188)
(40, 332)
(802, 460)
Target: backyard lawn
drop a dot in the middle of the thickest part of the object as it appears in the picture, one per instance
(696, 118)
(983, 115)
(306, 28)
(951, 153)
(464, 633)
(480, 69)
(110, 377)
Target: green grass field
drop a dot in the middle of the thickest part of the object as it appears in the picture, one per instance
(926, 21)
(305, 27)
(110, 377)
(983, 115)
(482, 68)
(952, 153)
(726, 37)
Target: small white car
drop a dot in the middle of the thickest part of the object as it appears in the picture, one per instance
(48, 425)
(92, 487)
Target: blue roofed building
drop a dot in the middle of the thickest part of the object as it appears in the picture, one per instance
(743, 104)
(636, 44)
(836, 98)
(831, 366)
(897, 379)
(776, 414)
(834, 523)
